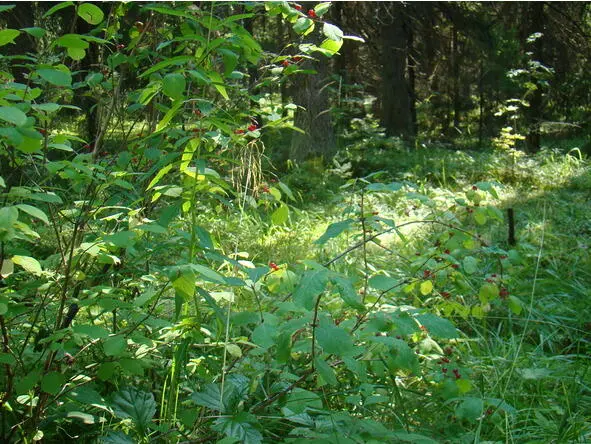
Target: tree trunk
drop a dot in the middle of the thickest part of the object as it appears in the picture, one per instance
(313, 115)
(396, 93)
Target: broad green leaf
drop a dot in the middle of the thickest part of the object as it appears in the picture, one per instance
(6, 7)
(332, 47)
(2, 183)
(470, 408)
(209, 397)
(12, 114)
(170, 114)
(382, 282)
(208, 274)
(30, 145)
(90, 13)
(35, 31)
(52, 383)
(264, 335)
(515, 305)
(488, 292)
(332, 32)
(92, 331)
(436, 326)
(322, 8)
(115, 345)
(56, 77)
(30, 264)
(300, 400)
(426, 287)
(8, 217)
(347, 292)
(135, 404)
(312, 283)
(34, 211)
(178, 60)
(76, 54)
(8, 36)
(173, 85)
(334, 230)
(470, 264)
(325, 371)
(218, 83)
(239, 427)
(159, 176)
(283, 342)
(303, 26)
(334, 339)
(72, 41)
(281, 215)
(184, 285)
(122, 239)
(56, 8)
(116, 437)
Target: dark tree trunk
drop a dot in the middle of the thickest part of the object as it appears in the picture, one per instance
(313, 115)
(534, 113)
(396, 116)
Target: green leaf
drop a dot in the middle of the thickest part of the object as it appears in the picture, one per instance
(281, 215)
(179, 60)
(170, 114)
(331, 47)
(322, 8)
(300, 400)
(208, 273)
(470, 264)
(437, 326)
(239, 427)
(72, 41)
(218, 83)
(515, 305)
(173, 85)
(12, 114)
(135, 404)
(115, 345)
(34, 211)
(264, 335)
(159, 176)
(2, 183)
(8, 36)
(488, 292)
(383, 283)
(303, 26)
(122, 239)
(313, 283)
(30, 264)
(334, 230)
(92, 331)
(57, 8)
(347, 292)
(56, 77)
(325, 371)
(114, 437)
(470, 408)
(52, 383)
(76, 54)
(35, 31)
(332, 32)
(90, 13)
(334, 339)
(426, 287)
(6, 7)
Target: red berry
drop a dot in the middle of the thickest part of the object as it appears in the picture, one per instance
(426, 273)
(443, 370)
(239, 131)
(265, 189)
(503, 293)
(455, 266)
(445, 295)
(298, 7)
(42, 131)
(474, 187)
(312, 13)
(120, 46)
(297, 59)
(447, 252)
(504, 256)
(285, 63)
(252, 127)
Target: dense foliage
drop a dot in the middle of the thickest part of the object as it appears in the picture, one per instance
(172, 270)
